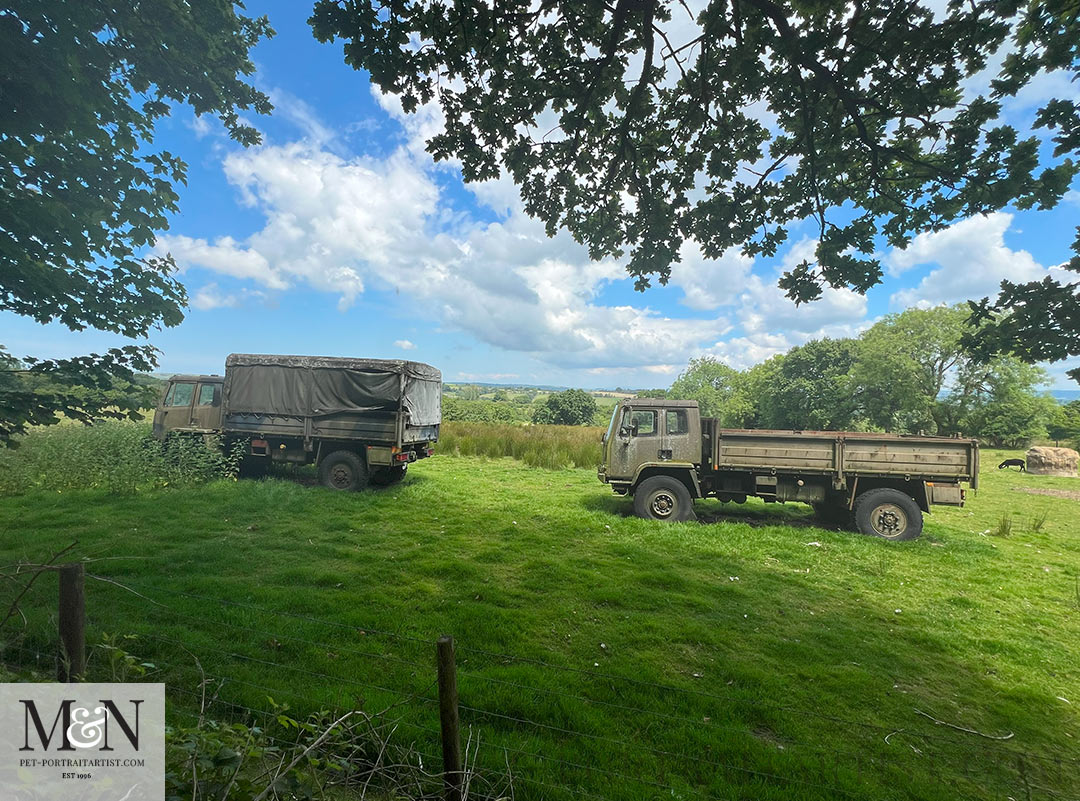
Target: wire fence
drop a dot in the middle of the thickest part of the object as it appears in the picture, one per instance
(529, 727)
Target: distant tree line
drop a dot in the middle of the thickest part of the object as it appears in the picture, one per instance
(909, 372)
(571, 407)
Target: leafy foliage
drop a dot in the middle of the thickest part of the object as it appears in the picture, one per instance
(1065, 422)
(119, 457)
(82, 191)
(810, 389)
(640, 125)
(83, 389)
(904, 362)
(999, 404)
(710, 383)
(571, 407)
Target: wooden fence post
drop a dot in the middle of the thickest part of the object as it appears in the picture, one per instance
(71, 661)
(448, 718)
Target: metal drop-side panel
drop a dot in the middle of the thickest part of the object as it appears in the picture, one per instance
(754, 451)
(941, 458)
(840, 452)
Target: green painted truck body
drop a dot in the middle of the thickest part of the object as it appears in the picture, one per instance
(360, 420)
(667, 443)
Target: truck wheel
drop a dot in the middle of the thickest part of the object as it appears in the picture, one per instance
(385, 476)
(889, 514)
(663, 498)
(343, 470)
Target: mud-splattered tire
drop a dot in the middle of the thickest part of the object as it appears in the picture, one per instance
(889, 514)
(663, 498)
(385, 476)
(343, 470)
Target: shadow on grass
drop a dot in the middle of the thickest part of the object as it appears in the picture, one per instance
(308, 476)
(710, 511)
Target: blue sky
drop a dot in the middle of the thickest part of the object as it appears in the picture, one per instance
(340, 236)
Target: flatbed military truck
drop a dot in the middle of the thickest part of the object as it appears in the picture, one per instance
(360, 420)
(665, 455)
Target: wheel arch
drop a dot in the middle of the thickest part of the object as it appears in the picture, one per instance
(685, 473)
(913, 488)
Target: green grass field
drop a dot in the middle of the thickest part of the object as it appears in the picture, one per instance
(752, 655)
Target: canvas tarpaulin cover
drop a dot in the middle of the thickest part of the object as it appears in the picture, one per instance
(313, 386)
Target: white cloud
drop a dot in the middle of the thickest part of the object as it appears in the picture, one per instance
(709, 283)
(404, 344)
(743, 352)
(345, 225)
(210, 297)
(1042, 87)
(771, 321)
(224, 256)
(304, 117)
(972, 259)
(200, 125)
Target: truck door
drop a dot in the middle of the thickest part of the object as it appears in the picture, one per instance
(206, 411)
(680, 442)
(175, 412)
(637, 440)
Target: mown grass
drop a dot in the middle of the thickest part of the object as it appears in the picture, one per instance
(756, 656)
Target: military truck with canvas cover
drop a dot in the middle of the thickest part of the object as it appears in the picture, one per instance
(665, 455)
(360, 420)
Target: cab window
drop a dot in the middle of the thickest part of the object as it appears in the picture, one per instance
(643, 423)
(180, 395)
(676, 422)
(208, 395)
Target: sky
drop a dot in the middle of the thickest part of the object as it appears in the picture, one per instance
(340, 236)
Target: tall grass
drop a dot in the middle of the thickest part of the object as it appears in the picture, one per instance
(551, 447)
(117, 456)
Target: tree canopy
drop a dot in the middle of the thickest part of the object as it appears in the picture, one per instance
(640, 124)
(909, 372)
(82, 190)
(571, 407)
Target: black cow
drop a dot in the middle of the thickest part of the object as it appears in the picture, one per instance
(1013, 463)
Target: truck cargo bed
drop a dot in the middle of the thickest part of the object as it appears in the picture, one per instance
(844, 453)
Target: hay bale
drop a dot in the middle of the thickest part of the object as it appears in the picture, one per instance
(1052, 461)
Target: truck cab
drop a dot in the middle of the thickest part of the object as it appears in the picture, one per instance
(649, 435)
(191, 403)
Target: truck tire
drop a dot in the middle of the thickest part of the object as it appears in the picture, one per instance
(385, 476)
(663, 498)
(889, 514)
(343, 470)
